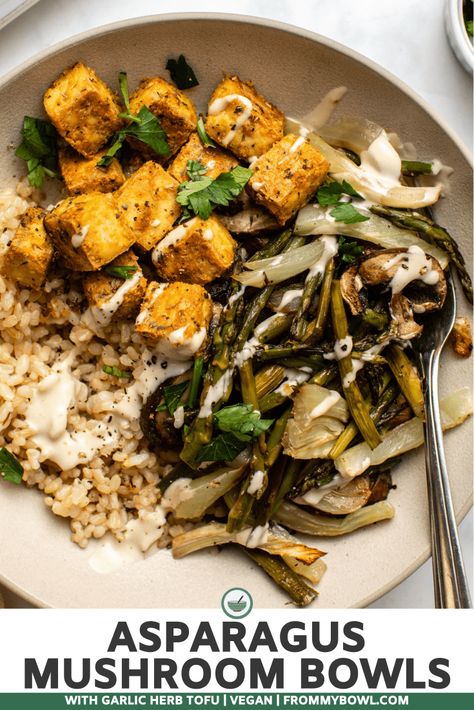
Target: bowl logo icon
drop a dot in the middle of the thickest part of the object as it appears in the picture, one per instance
(236, 603)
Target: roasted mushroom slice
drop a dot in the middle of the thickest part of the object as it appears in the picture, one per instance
(416, 280)
(250, 221)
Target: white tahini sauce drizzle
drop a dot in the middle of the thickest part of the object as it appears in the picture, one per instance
(330, 250)
(293, 378)
(261, 327)
(47, 417)
(380, 165)
(154, 371)
(253, 537)
(172, 237)
(77, 239)
(235, 297)
(178, 417)
(414, 265)
(215, 393)
(220, 104)
(139, 535)
(293, 294)
(314, 495)
(357, 364)
(297, 144)
(342, 348)
(323, 111)
(256, 482)
(102, 315)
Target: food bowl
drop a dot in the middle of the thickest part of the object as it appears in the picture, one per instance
(294, 69)
(460, 41)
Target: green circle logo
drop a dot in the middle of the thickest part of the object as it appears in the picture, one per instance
(237, 603)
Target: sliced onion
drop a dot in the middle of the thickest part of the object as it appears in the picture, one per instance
(314, 219)
(351, 132)
(313, 572)
(279, 268)
(342, 168)
(319, 416)
(454, 408)
(295, 518)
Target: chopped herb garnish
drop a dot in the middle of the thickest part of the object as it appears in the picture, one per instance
(224, 447)
(122, 272)
(242, 420)
(200, 196)
(116, 372)
(348, 251)
(181, 73)
(10, 468)
(239, 424)
(201, 131)
(38, 149)
(195, 169)
(330, 193)
(144, 126)
(172, 395)
(347, 213)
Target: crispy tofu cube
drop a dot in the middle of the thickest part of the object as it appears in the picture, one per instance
(241, 120)
(197, 251)
(175, 111)
(112, 296)
(30, 252)
(148, 201)
(89, 230)
(83, 109)
(82, 174)
(217, 161)
(175, 317)
(284, 179)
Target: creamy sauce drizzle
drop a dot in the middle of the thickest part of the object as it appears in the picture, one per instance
(219, 105)
(414, 265)
(256, 482)
(47, 416)
(172, 238)
(330, 250)
(326, 405)
(253, 537)
(323, 111)
(292, 296)
(293, 378)
(297, 144)
(77, 239)
(102, 315)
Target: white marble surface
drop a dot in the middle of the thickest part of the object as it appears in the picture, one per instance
(404, 36)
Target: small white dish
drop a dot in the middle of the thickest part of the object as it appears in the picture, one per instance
(459, 40)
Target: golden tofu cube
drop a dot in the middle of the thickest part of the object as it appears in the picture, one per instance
(82, 175)
(287, 175)
(148, 201)
(175, 111)
(109, 295)
(83, 108)
(175, 317)
(241, 120)
(197, 251)
(30, 252)
(216, 161)
(89, 230)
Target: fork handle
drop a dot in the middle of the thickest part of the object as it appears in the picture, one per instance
(451, 588)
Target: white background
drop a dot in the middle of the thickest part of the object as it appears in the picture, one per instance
(407, 37)
(421, 635)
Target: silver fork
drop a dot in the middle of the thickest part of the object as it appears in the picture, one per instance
(451, 590)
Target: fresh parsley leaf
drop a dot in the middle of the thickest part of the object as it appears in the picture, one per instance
(172, 395)
(330, 193)
(224, 447)
(242, 420)
(201, 131)
(10, 468)
(116, 372)
(200, 196)
(38, 148)
(145, 127)
(195, 169)
(181, 73)
(124, 272)
(347, 213)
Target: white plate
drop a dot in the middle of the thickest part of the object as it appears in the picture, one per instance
(294, 69)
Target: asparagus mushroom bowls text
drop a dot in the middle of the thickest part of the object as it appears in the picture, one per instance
(212, 286)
